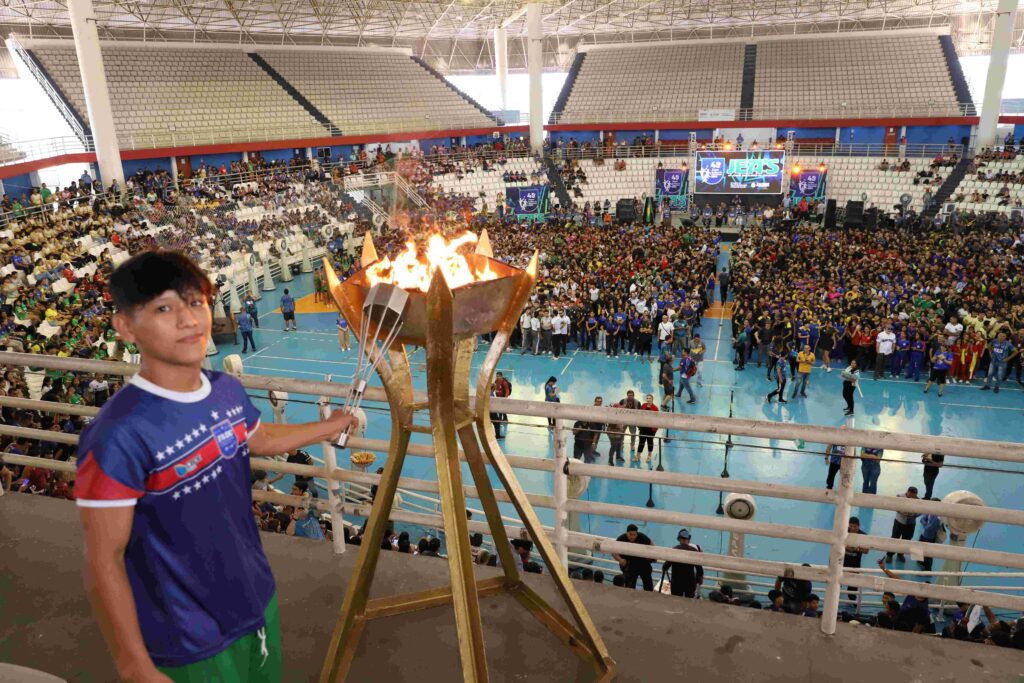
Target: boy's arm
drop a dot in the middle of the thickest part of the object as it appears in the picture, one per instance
(106, 532)
(275, 439)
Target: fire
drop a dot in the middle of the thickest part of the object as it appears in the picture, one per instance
(412, 269)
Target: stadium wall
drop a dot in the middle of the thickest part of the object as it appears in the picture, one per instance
(937, 135)
(862, 135)
(133, 166)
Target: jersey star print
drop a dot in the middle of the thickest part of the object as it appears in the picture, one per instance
(194, 559)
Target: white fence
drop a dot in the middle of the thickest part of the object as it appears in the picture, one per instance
(578, 548)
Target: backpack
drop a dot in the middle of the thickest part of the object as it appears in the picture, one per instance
(691, 369)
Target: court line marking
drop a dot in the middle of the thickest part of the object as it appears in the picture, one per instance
(971, 405)
(312, 360)
(300, 372)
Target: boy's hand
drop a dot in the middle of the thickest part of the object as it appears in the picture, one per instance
(337, 423)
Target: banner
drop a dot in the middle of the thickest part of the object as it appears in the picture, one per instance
(808, 184)
(530, 202)
(721, 172)
(716, 114)
(671, 184)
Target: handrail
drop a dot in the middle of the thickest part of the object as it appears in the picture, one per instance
(616, 113)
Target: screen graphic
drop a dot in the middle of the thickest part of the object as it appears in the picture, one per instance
(671, 184)
(722, 172)
(528, 202)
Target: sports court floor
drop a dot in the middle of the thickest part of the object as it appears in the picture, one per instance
(893, 405)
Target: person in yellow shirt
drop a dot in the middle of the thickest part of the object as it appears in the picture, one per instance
(804, 363)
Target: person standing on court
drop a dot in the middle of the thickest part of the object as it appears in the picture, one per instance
(288, 310)
(632, 403)
(344, 334)
(634, 568)
(904, 524)
(870, 468)
(780, 370)
(685, 579)
(850, 377)
(687, 369)
(250, 307)
(804, 363)
(723, 285)
(245, 327)
(933, 462)
(885, 344)
(834, 459)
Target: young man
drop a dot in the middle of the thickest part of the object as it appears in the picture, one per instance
(175, 569)
(684, 578)
(245, 327)
(288, 311)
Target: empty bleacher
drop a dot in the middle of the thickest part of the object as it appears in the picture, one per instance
(164, 95)
(971, 184)
(860, 76)
(636, 180)
(364, 91)
(489, 184)
(854, 177)
(655, 83)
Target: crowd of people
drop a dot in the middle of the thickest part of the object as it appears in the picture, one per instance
(903, 301)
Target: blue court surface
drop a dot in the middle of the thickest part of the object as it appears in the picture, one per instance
(893, 405)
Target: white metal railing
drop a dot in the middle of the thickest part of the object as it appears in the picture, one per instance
(793, 112)
(834, 575)
(680, 148)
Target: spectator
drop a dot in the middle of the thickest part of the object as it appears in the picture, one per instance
(633, 567)
(904, 524)
(685, 579)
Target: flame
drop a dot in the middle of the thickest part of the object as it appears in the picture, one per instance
(412, 269)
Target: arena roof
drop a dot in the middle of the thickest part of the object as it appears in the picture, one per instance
(455, 34)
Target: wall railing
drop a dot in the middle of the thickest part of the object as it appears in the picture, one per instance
(563, 468)
(655, 114)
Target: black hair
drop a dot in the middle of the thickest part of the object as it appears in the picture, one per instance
(476, 540)
(149, 274)
(598, 576)
(854, 520)
(632, 527)
(434, 545)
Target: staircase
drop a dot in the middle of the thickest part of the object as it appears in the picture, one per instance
(749, 73)
(555, 181)
(436, 74)
(563, 96)
(956, 73)
(947, 188)
(407, 189)
(318, 115)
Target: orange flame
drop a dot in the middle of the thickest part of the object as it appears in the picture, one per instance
(413, 270)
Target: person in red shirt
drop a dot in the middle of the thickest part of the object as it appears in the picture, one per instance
(502, 389)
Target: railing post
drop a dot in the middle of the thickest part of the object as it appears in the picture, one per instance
(334, 492)
(840, 531)
(561, 491)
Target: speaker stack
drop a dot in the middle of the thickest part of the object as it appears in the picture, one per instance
(830, 214)
(854, 215)
(625, 212)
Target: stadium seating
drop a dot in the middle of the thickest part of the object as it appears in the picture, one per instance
(489, 184)
(636, 180)
(165, 93)
(853, 177)
(971, 184)
(655, 83)
(373, 91)
(856, 76)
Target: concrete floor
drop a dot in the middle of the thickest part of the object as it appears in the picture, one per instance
(45, 623)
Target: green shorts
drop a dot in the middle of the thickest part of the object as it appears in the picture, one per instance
(253, 658)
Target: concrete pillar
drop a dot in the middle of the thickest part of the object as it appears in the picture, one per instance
(174, 169)
(535, 66)
(97, 96)
(245, 156)
(501, 64)
(1002, 33)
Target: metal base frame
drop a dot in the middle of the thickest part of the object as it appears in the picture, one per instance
(452, 422)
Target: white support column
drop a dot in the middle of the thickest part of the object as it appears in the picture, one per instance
(97, 96)
(840, 532)
(561, 491)
(174, 170)
(535, 66)
(1002, 34)
(501, 64)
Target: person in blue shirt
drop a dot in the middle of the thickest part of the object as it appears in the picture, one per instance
(245, 327)
(942, 359)
(344, 334)
(1001, 351)
(288, 311)
(304, 524)
(900, 355)
(781, 373)
(916, 357)
(834, 459)
(164, 493)
(687, 369)
(931, 527)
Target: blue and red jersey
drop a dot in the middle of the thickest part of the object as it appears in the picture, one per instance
(194, 559)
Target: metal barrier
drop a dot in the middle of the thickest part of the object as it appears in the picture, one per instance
(655, 114)
(564, 469)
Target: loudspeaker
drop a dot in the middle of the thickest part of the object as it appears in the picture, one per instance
(854, 214)
(624, 211)
(830, 214)
(871, 218)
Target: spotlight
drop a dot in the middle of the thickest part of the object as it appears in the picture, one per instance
(796, 169)
(778, 145)
(728, 145)
(821, 167)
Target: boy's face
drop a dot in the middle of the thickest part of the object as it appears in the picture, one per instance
(170, 329)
